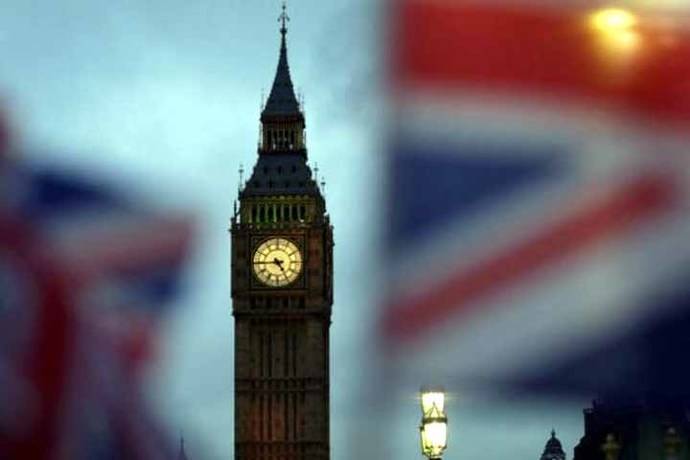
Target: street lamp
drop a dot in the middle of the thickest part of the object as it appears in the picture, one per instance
(433, 431)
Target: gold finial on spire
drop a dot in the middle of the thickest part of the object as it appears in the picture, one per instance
(284, 19)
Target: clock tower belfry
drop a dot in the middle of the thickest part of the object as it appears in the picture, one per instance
(282, 290)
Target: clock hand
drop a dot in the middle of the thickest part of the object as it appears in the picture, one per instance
(279, 263)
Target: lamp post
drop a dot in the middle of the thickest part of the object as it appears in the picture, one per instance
(433, 431)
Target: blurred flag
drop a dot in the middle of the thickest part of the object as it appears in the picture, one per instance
(538, 197)
(85, 276)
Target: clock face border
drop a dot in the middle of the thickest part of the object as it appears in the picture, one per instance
(257, 241)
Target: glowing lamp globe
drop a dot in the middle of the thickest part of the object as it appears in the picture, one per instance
(433, 431)
(432, 397)
(434, 437)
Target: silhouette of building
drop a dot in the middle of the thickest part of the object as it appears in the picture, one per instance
(282, 290)
(635, 431)
(553, 449)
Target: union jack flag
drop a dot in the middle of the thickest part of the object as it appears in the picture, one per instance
(85, 276)
(538, 197)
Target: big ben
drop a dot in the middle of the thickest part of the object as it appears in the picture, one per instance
(282, 290)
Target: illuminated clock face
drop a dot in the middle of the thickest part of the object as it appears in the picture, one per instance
(277, 262)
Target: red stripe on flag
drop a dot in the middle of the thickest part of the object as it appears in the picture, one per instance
(547, 52)
(612, 216)
(49, 350)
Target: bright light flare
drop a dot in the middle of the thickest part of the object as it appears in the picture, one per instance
(617, 33)
(613, 20)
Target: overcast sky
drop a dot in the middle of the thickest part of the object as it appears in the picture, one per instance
(164, 96)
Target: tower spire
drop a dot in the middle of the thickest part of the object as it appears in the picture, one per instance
(553, 449)
(182, 454)
(282, 100)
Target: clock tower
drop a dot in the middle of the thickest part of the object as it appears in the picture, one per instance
(282, 290)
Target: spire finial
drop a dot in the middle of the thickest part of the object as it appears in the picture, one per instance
(283, 19)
